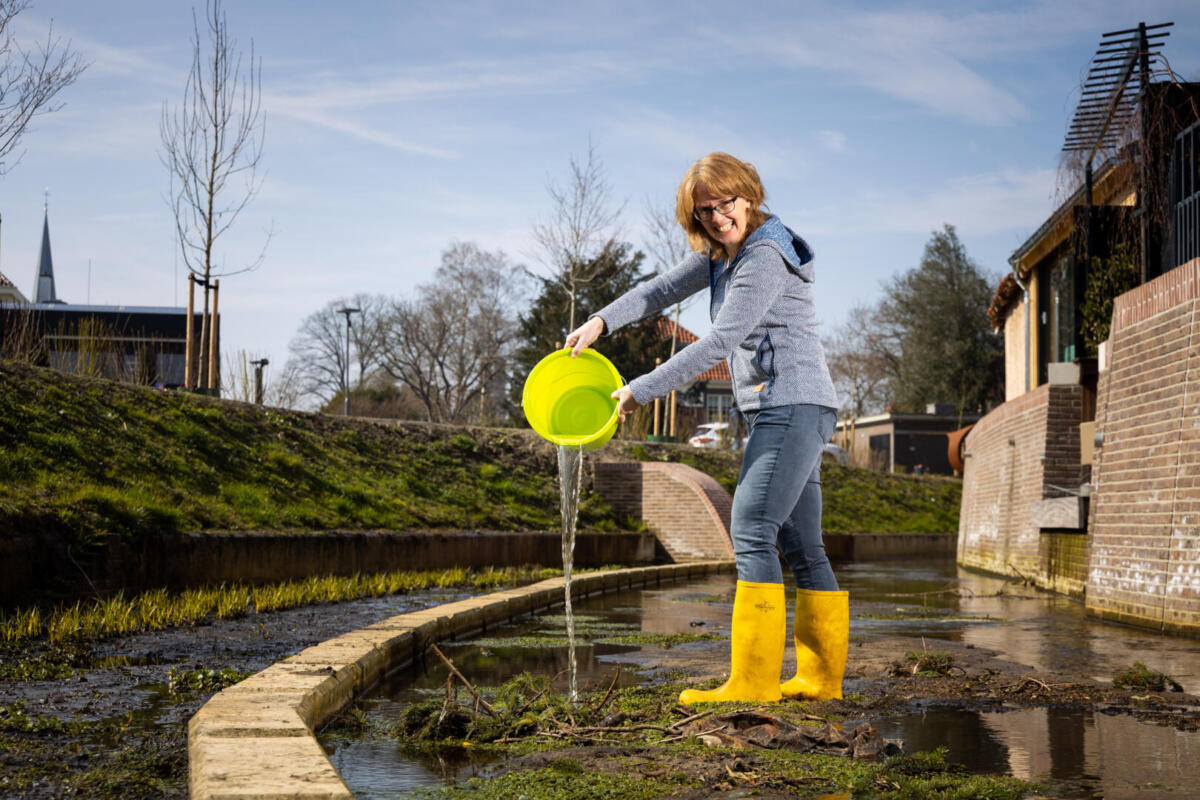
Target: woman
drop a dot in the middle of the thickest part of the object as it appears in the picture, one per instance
(759, 275)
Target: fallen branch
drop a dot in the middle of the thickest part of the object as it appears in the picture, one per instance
(617, 728)
(704, 714)
(692, 718)
(454, 670)
(685, 735)
(611, 686)
(1026, 680)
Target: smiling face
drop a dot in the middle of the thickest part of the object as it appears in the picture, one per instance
(728, 228)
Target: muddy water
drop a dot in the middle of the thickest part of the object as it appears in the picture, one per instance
(941, 601)
(1096, 756)
(1087, 755)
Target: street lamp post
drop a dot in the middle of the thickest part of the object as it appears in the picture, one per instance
(258, 381)
(346, 384)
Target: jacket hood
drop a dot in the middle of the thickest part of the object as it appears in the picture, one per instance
(795, 251)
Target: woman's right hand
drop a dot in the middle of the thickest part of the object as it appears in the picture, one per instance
(579, 339)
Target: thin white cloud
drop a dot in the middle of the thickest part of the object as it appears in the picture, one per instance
(926, 58)
(687, 137)
(341, 123)
(338, 102)
(985, 203)
(832, 140)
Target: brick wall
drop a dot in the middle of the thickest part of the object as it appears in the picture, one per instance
(1060, 464)
(1022, 452)
(1145, 508)
(686, 509)
(1002, 478)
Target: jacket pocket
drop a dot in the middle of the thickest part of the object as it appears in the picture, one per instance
(764, 358)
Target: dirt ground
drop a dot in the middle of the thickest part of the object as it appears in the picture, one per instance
(124, 732)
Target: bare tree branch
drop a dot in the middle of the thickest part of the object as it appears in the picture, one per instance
(450, 344)
(583, 225)
(29, 79)
(318, 351)
(667, 245)
(861, 359)
(212, 146)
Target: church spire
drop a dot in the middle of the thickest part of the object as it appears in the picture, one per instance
(44, 287)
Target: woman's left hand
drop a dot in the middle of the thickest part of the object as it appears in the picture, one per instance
(626, 405)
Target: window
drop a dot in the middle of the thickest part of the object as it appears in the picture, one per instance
(718, 406)
(1184, 244)
(1062, 310)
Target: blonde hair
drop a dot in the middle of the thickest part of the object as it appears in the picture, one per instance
(723, 176)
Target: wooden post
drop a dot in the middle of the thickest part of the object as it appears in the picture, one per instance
(672, 413)
(213, 374)
(189, 347)
(657, 403)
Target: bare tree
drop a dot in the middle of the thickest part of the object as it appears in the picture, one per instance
(212, 145)
(582, 226)
(30, 79)
(451, 343)
(860, 362)
(285, 390)
(318, 351)
(667, 245)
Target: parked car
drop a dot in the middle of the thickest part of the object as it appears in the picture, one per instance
(835, 454)
(709, 434)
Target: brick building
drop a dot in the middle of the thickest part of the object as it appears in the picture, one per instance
(709, 398)
(1087, 479)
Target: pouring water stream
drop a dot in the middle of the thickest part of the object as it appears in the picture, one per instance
(570, 472)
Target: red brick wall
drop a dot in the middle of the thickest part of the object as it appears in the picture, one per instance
(1145, 508)
(1002, 478)
(686, 509)
(1022, 452)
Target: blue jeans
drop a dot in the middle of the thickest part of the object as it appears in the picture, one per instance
(778, 497)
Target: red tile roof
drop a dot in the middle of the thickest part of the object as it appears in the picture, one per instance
(663, 327)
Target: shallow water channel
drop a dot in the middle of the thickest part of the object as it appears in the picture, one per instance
(1087, 755)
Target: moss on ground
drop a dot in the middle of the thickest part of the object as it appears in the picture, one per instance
(179, 462)
(533, 755)
(106, 759)
(1139, 676)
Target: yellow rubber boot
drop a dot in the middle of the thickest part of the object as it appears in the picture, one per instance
(822, 633)
(756, 646)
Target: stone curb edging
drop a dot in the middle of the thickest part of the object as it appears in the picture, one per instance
(255, 739)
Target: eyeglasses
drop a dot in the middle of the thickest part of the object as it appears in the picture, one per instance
(723, 208)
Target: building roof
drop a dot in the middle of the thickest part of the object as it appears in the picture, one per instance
(9, 293)
(663, 326)
(1106, 182)
(88, 309)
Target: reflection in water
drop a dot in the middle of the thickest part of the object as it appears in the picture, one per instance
(1045, 631)
(1101, 757)
(381, 769)
(1109, 757)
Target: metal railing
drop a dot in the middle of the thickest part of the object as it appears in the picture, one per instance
(1185, 196)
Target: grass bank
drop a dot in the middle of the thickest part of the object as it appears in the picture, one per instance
(88, 457)
(91, 456)
(856, 500)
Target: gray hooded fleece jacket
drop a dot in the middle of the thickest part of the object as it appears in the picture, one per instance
(764, 322)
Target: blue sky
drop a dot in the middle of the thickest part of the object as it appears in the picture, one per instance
(394, 128)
